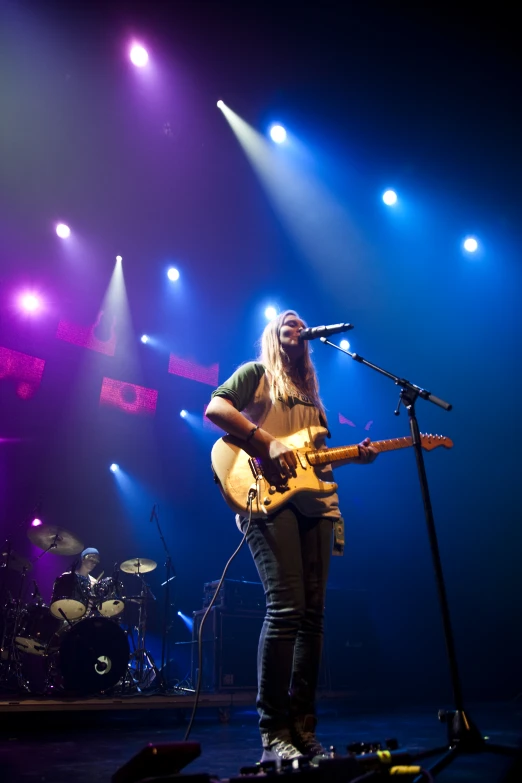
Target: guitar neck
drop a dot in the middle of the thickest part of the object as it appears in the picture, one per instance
(324, 456)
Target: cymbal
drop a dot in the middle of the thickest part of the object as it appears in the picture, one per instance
(138, 565)
(55, 539)
(15, 562)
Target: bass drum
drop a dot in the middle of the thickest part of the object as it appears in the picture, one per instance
(93, 656)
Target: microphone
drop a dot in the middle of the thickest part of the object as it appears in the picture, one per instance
(313, 332)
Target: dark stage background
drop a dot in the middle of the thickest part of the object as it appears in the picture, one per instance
(144, 165)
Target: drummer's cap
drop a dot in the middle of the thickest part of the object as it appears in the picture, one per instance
(89, 551)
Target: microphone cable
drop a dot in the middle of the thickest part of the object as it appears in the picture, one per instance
(252, 493)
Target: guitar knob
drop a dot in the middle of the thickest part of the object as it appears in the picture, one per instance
(266, 502)
(272, 490)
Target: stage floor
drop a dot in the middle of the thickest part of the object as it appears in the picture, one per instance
(90, 745)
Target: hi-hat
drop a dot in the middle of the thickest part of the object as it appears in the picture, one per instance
(52, 538)
(14, 562)
(138, 565)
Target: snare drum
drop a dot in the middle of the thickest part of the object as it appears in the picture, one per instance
(107, 597)
(71, 596)
(36, 627)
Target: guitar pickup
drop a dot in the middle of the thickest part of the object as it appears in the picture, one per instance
(302, 460)
(255, 467)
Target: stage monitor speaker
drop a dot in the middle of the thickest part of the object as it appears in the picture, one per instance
(156, 761)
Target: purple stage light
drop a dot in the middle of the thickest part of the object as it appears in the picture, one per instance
(196, 372)
(136, 400)
(30, 302)
(63, 230)
(25, 370)
(36, 522)
(139, 56)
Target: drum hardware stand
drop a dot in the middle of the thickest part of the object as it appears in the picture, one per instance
(5, 592)
(51, 546)
(463, 735)
(144, 662)
(13, 663)
(170, 575)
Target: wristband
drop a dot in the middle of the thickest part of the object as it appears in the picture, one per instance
(251, 434)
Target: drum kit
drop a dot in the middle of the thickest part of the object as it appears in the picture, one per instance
(80, 637)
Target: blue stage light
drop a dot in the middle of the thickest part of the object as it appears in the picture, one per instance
(114, 467)
(270, 313)
(277, 134)
(183, 414)
(470, 245)
(344, 344)
(173, 274)
(389, 197)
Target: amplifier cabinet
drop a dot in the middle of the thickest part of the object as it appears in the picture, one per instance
(235, 595)
(230, 641)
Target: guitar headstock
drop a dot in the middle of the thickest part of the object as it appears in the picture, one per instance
(430, 442)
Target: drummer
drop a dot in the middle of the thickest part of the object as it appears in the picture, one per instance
(87, 562)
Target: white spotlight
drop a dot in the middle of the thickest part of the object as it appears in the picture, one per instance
(470, 244)
(63, 231)
(277, 134)
(345, 345)
(114, 467)
(270, 313)
(173, 274)
(389, 198)
(119, 259)
(144, 338)
(183, 414)
(139, 56)
(220, 105)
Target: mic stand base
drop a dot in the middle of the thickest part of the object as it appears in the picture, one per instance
(464, 738)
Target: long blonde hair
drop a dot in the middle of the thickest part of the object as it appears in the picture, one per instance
(286, 378)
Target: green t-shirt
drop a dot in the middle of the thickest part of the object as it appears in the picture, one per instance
(248, 391)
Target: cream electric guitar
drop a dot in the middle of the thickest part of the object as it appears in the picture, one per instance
(241, 475)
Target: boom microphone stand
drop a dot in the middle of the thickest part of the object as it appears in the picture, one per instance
(463, 735)
(170, 575)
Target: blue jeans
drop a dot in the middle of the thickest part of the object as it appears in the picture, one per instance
(292, 556)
